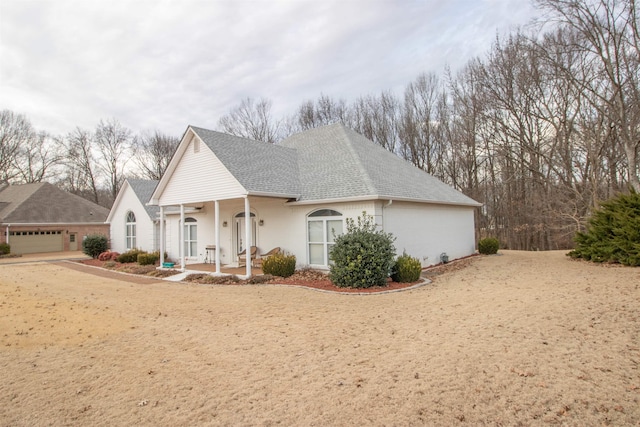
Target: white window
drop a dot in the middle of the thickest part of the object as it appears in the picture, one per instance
(323, 226)
(190, 237)
(130, 232)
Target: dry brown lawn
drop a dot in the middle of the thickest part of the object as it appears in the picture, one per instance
(514, 339)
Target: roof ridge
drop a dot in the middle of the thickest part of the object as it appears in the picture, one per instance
(361, 165)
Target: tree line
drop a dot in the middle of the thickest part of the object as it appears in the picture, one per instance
(540, 129)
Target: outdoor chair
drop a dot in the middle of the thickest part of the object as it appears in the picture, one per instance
(258, 261)
(242, 256)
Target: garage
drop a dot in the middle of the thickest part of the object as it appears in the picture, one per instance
(29, 242)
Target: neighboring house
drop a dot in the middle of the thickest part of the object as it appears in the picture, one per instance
(43, 218)
(134, 224)
(297, 195)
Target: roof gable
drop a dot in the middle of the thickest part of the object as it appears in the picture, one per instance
(44, 203)
(261, 168)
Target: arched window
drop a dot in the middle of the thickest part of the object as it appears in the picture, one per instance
(323, 226)
(190, 237)
(130, 231)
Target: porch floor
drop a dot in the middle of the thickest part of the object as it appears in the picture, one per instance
(224, 269)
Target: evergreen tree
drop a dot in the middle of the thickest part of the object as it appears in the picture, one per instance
(613, 233)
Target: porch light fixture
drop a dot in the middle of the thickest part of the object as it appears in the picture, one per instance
(224, 223)
(261, 222)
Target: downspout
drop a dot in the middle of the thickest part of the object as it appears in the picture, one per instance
(7, 238)
(389, 202)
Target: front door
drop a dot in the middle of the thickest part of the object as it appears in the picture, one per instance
(73, 242)
(240, 230)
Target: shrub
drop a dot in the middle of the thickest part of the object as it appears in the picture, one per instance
(488, 246)
(613, 232)
(94, 244)
(148, 259)
(108, 256)
(109, 264)
(406, 269)
(279, 265)
(5, 248)
(363, 256)
(129, 256)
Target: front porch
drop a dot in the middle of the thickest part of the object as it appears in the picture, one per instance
(224, 269)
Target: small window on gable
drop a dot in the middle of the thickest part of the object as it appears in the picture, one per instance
(196, 145)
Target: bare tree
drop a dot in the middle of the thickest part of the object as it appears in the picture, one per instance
(154, 153)
(38, 156)
(607, 32)
(80, 175)
(251, 120)
(114, 143)
(15, 132)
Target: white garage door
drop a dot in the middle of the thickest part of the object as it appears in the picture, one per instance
(29, 242)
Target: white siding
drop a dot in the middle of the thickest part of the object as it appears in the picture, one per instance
(425, 231)
(199, 177)
(145, 238)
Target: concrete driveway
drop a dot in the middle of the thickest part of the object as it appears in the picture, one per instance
(46, 256)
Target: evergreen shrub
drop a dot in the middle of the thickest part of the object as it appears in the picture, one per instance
(279, 265)
(363, 256)
(148, 259)
(406, 269)
(488, 246)
(94, 244)
(130, 256)
(5, 248)
(613, 232)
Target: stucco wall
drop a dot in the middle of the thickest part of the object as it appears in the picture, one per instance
(425, 231)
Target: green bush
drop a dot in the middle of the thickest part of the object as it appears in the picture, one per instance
(130, 256)
(613, 232)
(5, 248)
(363, 256)
(148, 259)
(279, 265)
(406, 269)
(488, 246)
(94, 244)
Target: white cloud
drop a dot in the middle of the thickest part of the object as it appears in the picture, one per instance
(166, 64)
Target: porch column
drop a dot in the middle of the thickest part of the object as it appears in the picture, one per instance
(181, 239)
(247, 229)
(217, 231)
(161, 235)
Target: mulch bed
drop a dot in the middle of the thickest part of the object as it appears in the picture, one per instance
(307, 278)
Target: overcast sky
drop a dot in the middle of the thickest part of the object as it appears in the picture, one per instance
(165, 64)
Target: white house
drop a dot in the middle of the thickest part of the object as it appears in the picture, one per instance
(134, 223)
(230, 193)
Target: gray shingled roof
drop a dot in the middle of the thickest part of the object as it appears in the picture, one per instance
(44, 203)
(336, 162)
(261, 168)
(143, 189)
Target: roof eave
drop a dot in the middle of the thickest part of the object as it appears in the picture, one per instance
(382, 197)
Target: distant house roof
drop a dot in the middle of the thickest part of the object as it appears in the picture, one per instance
(261, 168)
(143, 189)
(336, 162)
(44, 203)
